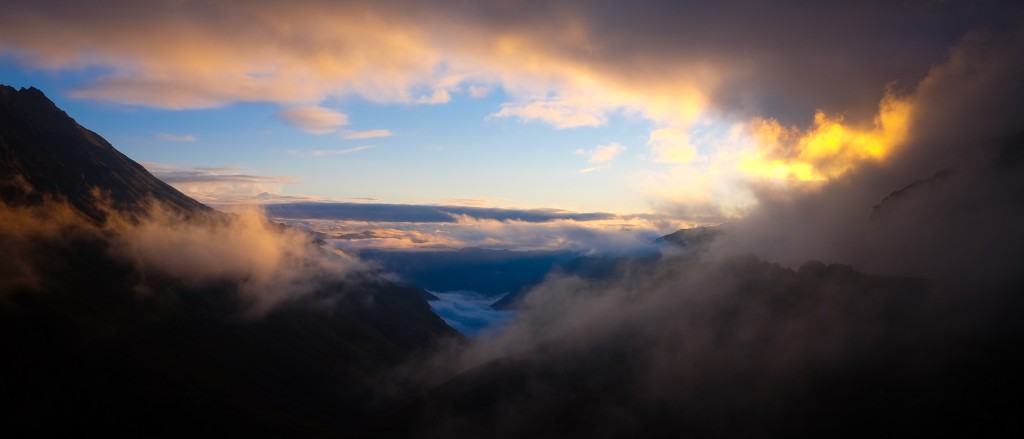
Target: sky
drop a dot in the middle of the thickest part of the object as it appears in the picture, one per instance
(677, 109)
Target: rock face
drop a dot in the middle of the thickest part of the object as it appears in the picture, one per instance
(46, 155)
(94, 343)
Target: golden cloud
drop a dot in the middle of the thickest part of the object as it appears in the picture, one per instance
(830, 148)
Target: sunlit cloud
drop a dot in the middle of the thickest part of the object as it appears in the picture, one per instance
(828, 149)
(221, 185)
(462, 231)
(440, 96)
(467, 201)
(369, 134)
(602, 153)
(718, 185)
(316, 120)
(176, 138)
(560, 114)
(671, 145)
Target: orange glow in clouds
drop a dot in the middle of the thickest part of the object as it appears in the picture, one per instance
(829, 149)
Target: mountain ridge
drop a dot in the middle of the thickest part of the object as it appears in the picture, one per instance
(45, 155)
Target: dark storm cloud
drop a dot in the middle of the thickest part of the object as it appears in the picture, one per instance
(960, 213)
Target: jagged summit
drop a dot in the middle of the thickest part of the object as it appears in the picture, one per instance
(46, 155)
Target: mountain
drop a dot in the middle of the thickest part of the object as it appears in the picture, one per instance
(893, 200)
(46, 155)
(695, 239)
(94, 341)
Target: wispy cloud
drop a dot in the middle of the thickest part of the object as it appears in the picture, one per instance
(369, 134)
(466, 201)
(175, 138)
(222, 184)
(561, 114)
(602, 153)
(327, 152)
(316, 120)
(227, 174)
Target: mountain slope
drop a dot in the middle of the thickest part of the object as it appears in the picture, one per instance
(96, 339)
(46, 155)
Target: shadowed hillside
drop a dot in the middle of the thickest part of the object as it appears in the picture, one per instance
(129, 309)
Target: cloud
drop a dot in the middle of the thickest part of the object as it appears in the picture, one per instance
(219, 185)
(327, 152)
(316, 120)
(478, 91)
(614, 235)
(175, 138)
(467, 201)
(366, 134)
(944, 202)
(263, 263)
(469, 312)
(440, 96)
(560, 114)
(602, 153)
(671, 145)
(665, 61)
(423, 213)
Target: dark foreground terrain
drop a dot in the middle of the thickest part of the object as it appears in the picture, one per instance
(96, 342)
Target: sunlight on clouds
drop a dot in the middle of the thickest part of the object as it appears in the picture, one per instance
(440, 96)
(316, 120)
(716, 186)
(602, 153)
(620, 234)
(671, 145)
(829, 148)
(369, 134)
(559, 113)
(219, 185)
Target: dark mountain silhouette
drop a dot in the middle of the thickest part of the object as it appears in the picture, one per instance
(94, 344)
(46, 155)
(695, 239)
(892, 200)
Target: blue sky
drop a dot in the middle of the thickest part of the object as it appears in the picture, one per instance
(628, 110)
(449, 153)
